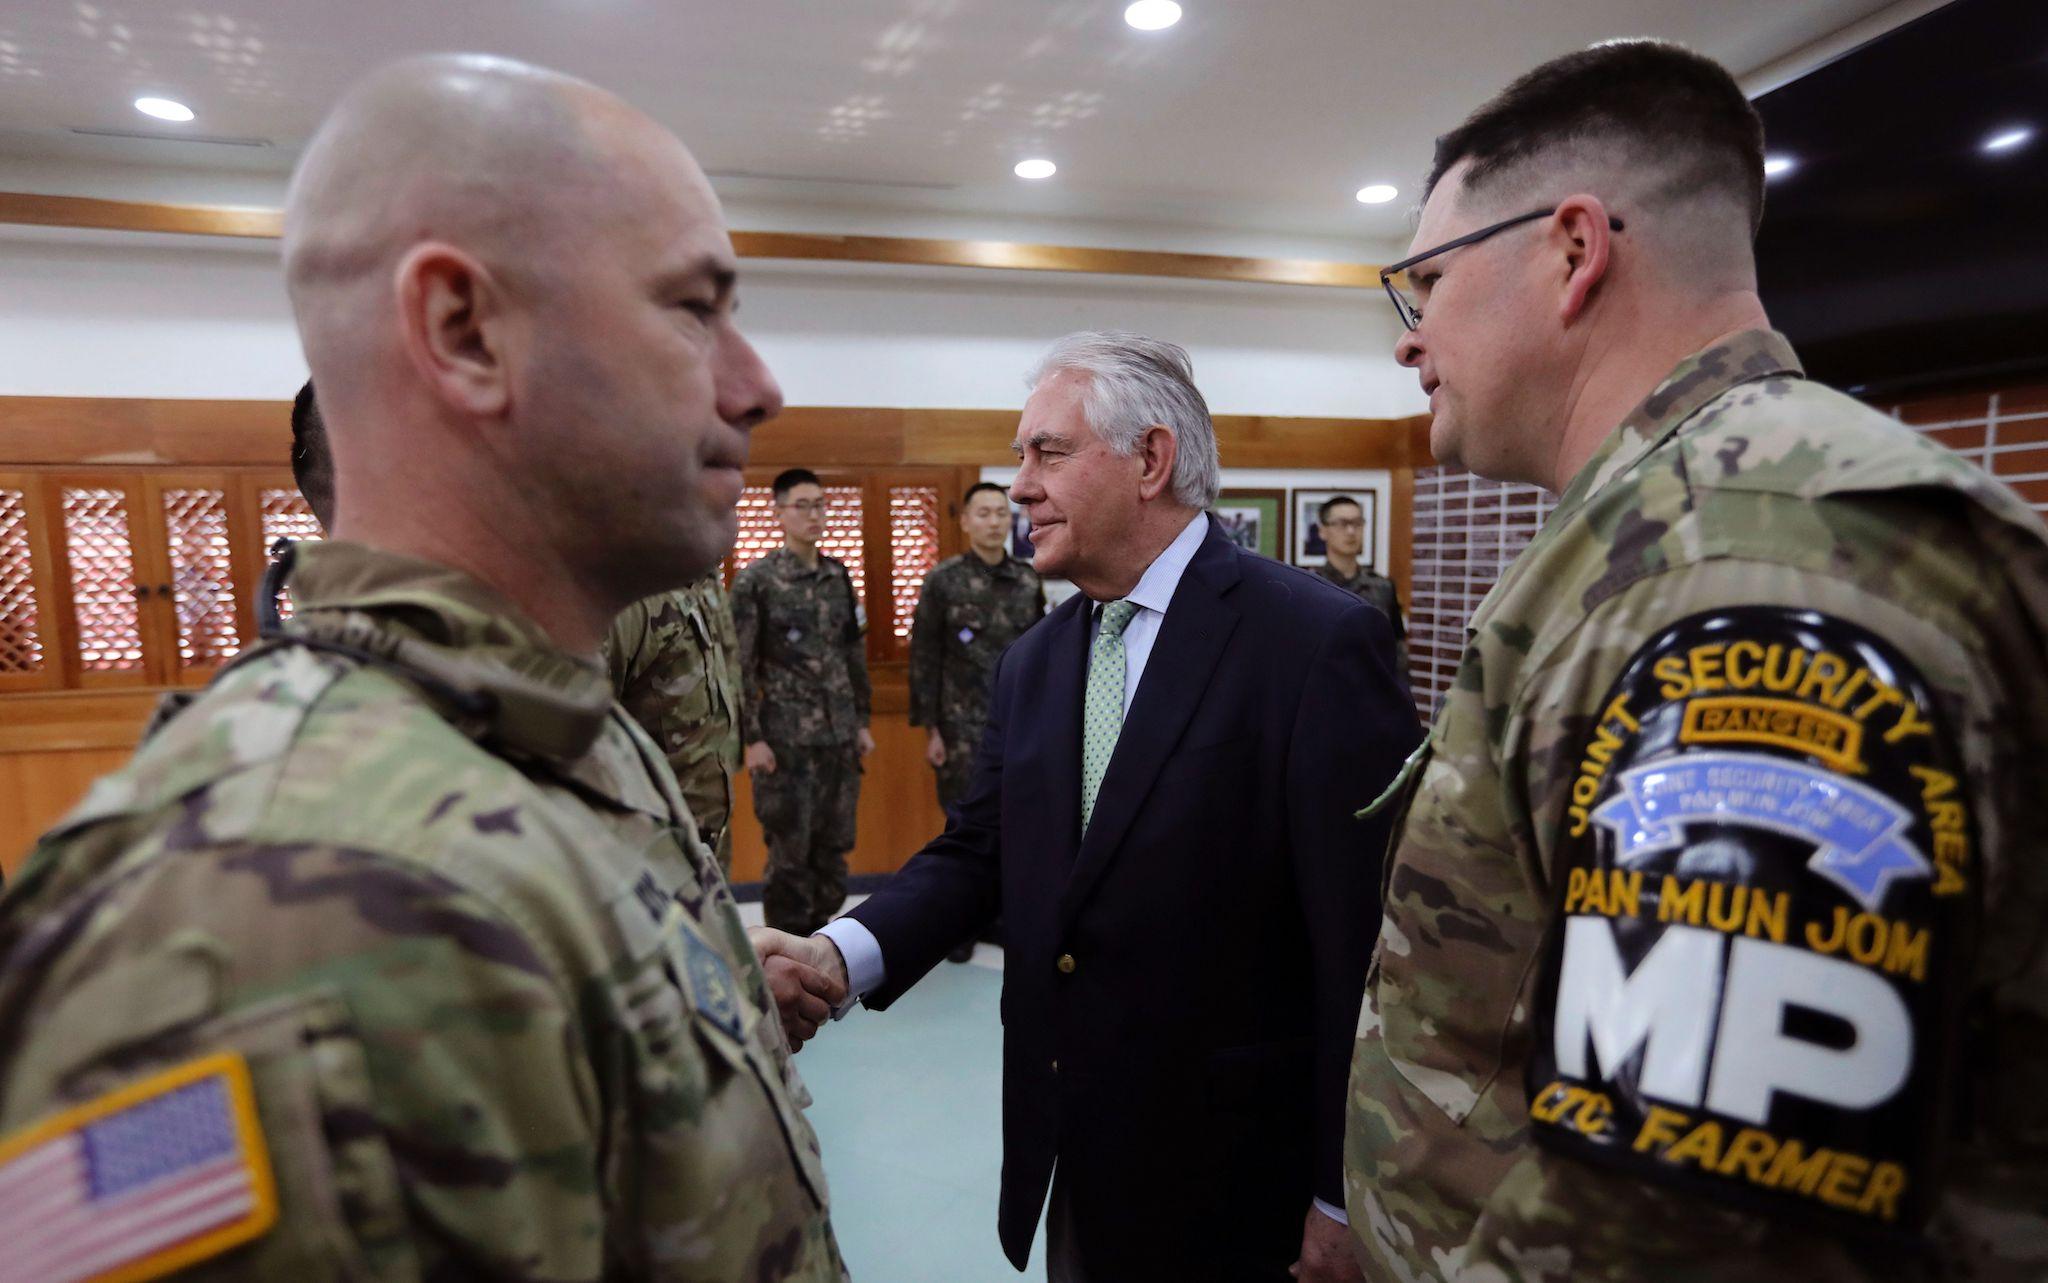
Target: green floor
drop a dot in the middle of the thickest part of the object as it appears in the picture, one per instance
(908, 1110)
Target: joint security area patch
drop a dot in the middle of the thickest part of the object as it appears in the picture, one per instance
(147, 1179)
(1766, 877)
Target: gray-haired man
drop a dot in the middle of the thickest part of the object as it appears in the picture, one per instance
(1162, 810)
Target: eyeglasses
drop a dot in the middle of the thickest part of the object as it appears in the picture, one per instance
(1404, 302)
(1344, 523)
(809, 507)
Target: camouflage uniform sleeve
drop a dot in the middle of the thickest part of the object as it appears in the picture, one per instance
(377, 1007)
(927, 651)
(624, 647)
(1715, 1193)
(746, 622)
(855, 649)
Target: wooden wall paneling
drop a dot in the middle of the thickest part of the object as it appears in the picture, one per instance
(36, 789)
(43, 582)
(143, 430)
(1401, 535)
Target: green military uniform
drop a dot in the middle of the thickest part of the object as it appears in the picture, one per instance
(410, 917)
(1714, 937)
(804, 675)
(967, 614)
(675, 666)
(1378, 590)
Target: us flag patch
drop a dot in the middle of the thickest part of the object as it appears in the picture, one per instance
(142, 1181)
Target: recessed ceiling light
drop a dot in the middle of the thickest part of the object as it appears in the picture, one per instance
(1152, 15)
(163, 109)
(1776, 165)
(1037, 168)
(2007, 139)
(1377, 194)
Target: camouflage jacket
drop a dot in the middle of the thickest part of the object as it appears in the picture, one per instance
(416, 897)
(1768, 686)
(803, 661)
(967, 613)
(1379, 590)
(675, 666)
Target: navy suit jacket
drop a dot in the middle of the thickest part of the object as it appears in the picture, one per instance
(1181, 986)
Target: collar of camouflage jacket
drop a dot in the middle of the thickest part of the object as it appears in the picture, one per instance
(468, 646)
(1691, 385)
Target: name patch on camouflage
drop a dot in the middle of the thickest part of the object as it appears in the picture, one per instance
(1765, 864)
(145, 1180)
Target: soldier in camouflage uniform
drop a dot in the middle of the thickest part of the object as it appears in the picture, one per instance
(1343, 525)
(970, 609)
(675, 667)
(396, 954)
(1713, 943)
(804, 713)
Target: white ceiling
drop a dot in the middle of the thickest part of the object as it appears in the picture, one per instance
(1250, 113)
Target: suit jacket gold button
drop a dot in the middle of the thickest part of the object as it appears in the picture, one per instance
(1066, 964)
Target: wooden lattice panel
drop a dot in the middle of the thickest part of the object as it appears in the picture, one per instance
(103, 588)
(760, 534)
(202, 577)
(286, 515)
(913, 549)
(21, 641)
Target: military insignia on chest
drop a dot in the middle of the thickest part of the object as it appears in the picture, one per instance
(1763, 863)
(709, 982)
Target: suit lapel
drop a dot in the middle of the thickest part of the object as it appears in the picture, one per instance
(1198, 625)
(1066, 674)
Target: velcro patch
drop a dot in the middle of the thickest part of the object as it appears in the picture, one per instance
(1764, 865)
(147, 1179)
(710, 984)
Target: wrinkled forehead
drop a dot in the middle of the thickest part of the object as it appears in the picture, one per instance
(1055, 411)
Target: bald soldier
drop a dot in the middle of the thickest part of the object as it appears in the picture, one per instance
(399, 943)
(1714, 937)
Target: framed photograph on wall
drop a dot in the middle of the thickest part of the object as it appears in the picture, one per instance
(1255, 520)
(1309, 549)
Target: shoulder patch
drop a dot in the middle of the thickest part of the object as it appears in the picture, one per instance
(1767, 889)
(709, 983)
(145, 1180)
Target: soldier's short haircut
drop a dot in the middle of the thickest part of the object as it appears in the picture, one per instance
(312, 462)
(1335, 502)
(1135, 383)
(1654, 106)
(790, 478)
(979, 487)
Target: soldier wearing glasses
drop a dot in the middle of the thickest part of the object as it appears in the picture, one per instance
(1716, 932)
(804, 714)
(1343, 524)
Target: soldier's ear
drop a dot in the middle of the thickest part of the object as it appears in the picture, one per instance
(451, 324)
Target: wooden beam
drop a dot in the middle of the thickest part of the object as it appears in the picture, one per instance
(64, 431)
(140, 216)
(1016, 256)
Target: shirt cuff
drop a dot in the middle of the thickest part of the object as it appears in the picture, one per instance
(1334, 1213)
(862, 954)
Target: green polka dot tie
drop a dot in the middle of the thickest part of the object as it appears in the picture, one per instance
(1102, 706)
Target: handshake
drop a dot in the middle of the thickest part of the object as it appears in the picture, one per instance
(806, 977)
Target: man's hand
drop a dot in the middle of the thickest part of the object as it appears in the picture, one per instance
(935, 748)
(864, 741)
(760, 759)
(1328, 1254)
(806, 976)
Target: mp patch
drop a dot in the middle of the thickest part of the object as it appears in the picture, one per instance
(1766, 878)
(145, 1180)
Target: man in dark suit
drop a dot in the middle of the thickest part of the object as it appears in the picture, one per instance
(1163, 810)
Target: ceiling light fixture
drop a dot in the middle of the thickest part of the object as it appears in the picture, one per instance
(1036, 168)
(1377, 194)
(1776, 165)
(1152, 15)
(164, 109)
(2007, 139)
